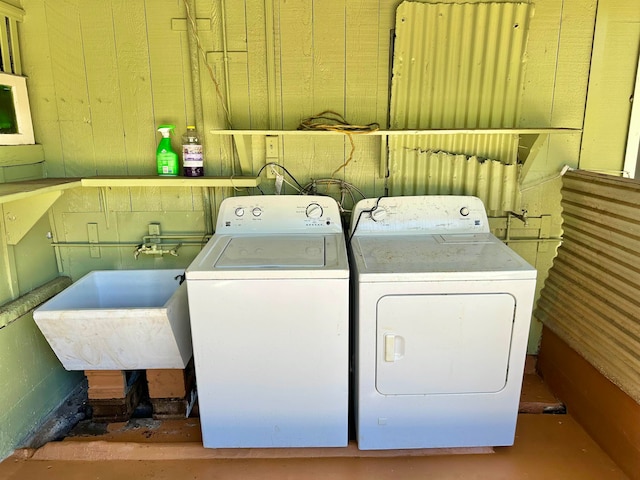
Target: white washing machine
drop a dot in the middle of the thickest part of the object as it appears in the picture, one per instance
(269, 306)
(442, 311)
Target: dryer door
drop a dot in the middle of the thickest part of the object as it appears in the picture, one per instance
(440, 344)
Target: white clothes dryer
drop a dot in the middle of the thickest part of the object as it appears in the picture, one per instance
(269, 306)
(442, 311)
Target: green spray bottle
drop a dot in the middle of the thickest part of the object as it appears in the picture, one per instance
(166, 158)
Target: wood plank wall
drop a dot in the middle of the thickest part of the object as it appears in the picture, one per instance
(113, 74)
(610, 416)
(101, 80)
(590, 350)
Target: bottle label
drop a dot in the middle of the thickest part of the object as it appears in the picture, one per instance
(167, 164)
(192, 156)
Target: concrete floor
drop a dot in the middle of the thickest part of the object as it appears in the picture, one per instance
(546, 447)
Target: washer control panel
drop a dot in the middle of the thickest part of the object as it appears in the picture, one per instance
(279, 214)
(428, 214)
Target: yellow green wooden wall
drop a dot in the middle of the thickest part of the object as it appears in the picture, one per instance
(611, 86)
(103, 75)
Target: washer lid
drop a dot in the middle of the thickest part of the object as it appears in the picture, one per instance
(271, 257)
(273, 252)
(437, 257)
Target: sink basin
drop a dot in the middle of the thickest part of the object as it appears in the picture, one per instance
(119, 320)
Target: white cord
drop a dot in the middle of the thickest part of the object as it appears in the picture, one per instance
(567, 168)
(624, 173)
(275, 172)
(564, 170)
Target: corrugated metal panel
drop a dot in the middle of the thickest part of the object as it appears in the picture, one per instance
(497, 147)
(458, 66)
(416, 171)
(590, 298)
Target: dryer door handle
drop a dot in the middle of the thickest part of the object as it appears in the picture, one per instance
(393, 347)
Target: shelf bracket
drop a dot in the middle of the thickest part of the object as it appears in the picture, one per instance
(21, 215)
(532, 144)
(243, 147)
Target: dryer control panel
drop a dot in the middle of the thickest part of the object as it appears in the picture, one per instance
(429, 214)
(279, 214)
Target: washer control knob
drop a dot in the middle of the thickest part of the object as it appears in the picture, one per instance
(239, 212)
(256, 212)
(314, 210)
(464, 211)
(378, 214)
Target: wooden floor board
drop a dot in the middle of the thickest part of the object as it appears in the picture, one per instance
(546, 446)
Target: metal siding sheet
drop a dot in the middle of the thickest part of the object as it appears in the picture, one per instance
(590, 298)
(458, 66)
(464, 63)
(416, 171)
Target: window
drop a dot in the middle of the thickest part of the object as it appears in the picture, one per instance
(15, 114)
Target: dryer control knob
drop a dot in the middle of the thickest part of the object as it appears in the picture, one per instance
(256, 212)
(464, 211)
(239, 212)
(314, 210)
(378, 214)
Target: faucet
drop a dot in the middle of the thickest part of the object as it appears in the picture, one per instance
(155, 249)
(523, 217)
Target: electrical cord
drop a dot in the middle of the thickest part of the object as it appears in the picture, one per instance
(345, 188)
(292, 185)
(206, 63)
(334, 122)
(310, 187)
(362, 212)
(276, 164)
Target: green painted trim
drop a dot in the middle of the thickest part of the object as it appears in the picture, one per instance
(11, 11)
(33, 383)
(14, 155)
(15, 44)
(11, 311)
(24, 418)
(19, 173)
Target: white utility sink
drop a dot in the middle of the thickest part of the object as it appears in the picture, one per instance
(119, 320)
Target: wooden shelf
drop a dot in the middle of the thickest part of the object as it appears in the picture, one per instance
(25, 202)
(389, 133)
(10, 192)
(155, 181)
(13, 191)
(535, 139)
